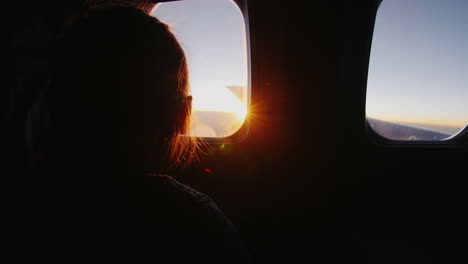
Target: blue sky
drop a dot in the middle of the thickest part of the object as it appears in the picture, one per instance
(418, 69)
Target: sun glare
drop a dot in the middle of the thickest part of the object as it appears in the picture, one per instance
(218, 100)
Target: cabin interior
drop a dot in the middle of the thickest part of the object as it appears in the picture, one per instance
(309, 181)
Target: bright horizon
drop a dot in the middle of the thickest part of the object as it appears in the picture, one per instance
(419, 121)
(434, 125)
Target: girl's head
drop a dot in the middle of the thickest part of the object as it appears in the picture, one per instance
(120, 87)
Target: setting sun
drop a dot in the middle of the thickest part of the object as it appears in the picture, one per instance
(218, 100)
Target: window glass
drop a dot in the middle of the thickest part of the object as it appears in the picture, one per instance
(213, 36)
(418, 73)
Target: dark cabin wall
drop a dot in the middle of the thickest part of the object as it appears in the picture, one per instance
(30, 30)
(279, 184)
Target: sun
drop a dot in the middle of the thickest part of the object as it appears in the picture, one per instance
(219, 100)
(241, 113)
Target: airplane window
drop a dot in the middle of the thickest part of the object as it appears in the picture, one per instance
(418, 72)
(213, 36)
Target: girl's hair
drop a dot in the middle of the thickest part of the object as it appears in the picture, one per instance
(120, 77)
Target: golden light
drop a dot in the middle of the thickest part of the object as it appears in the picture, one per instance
(219, 100)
